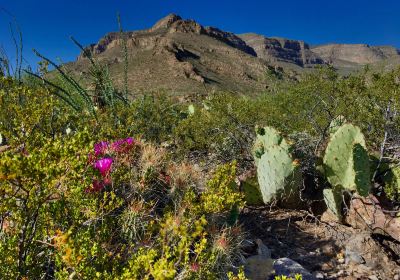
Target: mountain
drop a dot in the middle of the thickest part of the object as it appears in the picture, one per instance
(280, 49)
(354, 55)
(183, 57)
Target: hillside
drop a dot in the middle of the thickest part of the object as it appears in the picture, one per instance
(180, 56)
(183, 57)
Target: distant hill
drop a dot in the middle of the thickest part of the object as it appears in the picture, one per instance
(184, 57)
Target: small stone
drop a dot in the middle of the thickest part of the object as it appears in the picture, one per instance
(353, 257)
(341, 261)
(288, 267)
(340, 273)
(258, 267)
(263, 250)
(373, 277)
(396, 277)
(318, 275)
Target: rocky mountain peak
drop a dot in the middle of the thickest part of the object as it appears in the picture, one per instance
(166, 22)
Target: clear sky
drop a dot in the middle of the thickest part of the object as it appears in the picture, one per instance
(47, 25)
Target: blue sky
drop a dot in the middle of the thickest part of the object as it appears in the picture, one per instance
(47, 25)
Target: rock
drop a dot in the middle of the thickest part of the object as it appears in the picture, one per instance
(263, 250)
(345, 52)
(318, 275)
(259, 267)
(396, 277)
(166, 22)
(360, 248)
(366, 213)
(373, 277)
(288, 267)
(231, 39)
(340, 273)
(353, 257)
(329, 217)
(279, 49)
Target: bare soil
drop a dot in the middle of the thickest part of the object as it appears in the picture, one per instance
(322, 246)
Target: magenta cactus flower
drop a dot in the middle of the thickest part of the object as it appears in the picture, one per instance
(122, 145)
(100, 148)
(103, 165)
(129, 141)
(96, 187)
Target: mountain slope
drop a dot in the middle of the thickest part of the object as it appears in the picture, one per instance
(180, 56)
(355, 55)
(183, 57)
(280, 49)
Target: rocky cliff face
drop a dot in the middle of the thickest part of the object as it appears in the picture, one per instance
(280, 49)
(354, 53)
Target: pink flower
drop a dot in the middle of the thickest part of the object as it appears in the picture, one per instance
(122, 145)
(194, 267)
(96, 187)
(129, 141)
(100, 148)
(103, 165)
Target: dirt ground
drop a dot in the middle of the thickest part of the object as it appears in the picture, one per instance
(333, 250)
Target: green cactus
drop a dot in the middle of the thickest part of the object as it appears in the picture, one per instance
(252, 193)
(278, 175)
(346, 161)
(336, 123)
(333, 199)
(392, 182)
(267, 137)
(191, 110)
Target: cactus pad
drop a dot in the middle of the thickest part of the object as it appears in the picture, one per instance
(346, 160)
(333, 200)
(336, 123)
(267, 137)
(278, 177)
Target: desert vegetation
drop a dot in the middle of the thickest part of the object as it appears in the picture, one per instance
(98, 182)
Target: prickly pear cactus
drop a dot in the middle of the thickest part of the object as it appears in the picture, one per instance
(191, 110)
(346, 160)
(392, 182)
(278, 175)
(333, 199)
(267, 137)
(336, 123)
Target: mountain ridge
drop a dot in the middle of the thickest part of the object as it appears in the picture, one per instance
(181, 55)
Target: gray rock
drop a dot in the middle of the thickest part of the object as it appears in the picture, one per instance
(288, 267)
(319, 275)
(353, 257)
(263, 250)
(259, 267)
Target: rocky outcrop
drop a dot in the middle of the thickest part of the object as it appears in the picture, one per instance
(279, 49)
(230, 39)
(354, 53)
(165, 22)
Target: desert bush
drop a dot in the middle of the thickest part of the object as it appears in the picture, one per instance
(114, 210)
